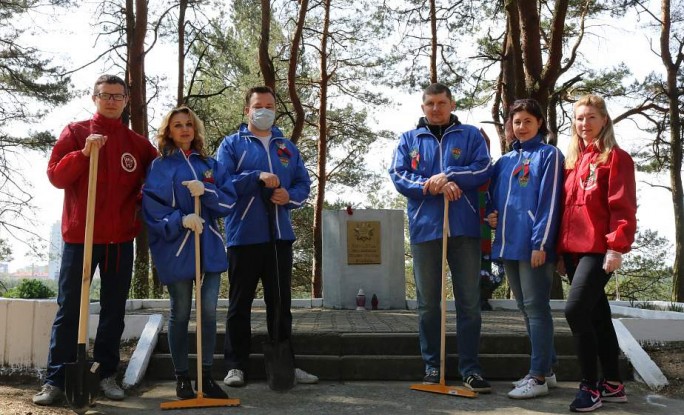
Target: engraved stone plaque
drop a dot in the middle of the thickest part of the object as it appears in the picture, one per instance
(364, 252)
(363, 242)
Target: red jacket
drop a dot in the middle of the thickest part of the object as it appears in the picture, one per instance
(123, 162)
(600, 204)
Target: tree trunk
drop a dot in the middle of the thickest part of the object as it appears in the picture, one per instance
(265, 63)
(433, 49)
(180, 91)
(317, 288)
(524, 72)
(298, 124)
(672, 91)
(136, 27)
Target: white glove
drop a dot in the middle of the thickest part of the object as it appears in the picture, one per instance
(612, 261)
(193, 222)
(195, 186)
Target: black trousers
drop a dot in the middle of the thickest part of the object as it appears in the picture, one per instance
(588, 314)
(247, 264)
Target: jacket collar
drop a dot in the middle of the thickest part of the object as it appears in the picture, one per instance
(243, 131)
(529, 144)
(453, 120)
(593, 147)
(178, 153)
(107, 124)
(424, 128)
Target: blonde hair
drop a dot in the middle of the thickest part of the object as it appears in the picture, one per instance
(605, 140)
(165, 143)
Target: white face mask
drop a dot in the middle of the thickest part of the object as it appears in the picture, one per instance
(262, 118)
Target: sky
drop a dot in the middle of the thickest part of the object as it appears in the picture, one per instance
(73, 37)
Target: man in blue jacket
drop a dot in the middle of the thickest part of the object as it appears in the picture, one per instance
(260, 159)
(444, 158)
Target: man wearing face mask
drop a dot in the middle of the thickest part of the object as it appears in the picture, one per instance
(266, 169)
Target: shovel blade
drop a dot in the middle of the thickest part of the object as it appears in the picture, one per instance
(279, 362)
(81, 381)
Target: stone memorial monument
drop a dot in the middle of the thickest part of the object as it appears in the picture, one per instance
(363, 251)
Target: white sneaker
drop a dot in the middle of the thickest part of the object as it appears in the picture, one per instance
(529, 389)
(521, 381)
(48, 395)
(235, 377)
(111, 389)
(305, 377)
(550, 381)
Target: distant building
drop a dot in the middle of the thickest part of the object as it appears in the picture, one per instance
(36, 272)
(4, 268)
(55, 250)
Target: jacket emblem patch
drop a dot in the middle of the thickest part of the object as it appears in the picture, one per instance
(208, 176)
(284, 153)
(523, 173)
(590, 176)
(455, 153)
(415, 158)
(128, 162)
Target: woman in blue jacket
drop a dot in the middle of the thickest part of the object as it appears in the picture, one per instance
(526, 189)
(182, 172)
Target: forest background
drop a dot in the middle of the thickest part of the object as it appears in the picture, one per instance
(348, 76)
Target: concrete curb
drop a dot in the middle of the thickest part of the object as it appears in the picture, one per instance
(646, 313)
(642, 363)
(143, 351)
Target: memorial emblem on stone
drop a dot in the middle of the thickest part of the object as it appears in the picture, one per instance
(363, 242)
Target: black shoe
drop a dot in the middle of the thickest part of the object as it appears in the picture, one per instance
(431, 377)
(211, 389)
(476, 383)
(184, 387)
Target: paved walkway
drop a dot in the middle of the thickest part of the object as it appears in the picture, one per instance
(323, 320)
(378, 398)
(381, 397)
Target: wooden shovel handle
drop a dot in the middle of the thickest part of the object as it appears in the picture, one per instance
(88, 247)
(442, 342)
(198, 302)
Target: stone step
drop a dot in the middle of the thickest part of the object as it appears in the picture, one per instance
(380, 367)
(381, 356)
(382, 345)
(345, 344)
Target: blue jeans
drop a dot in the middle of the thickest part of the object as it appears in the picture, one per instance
(463, 256)
(532, 290)
(180, 294)
(115, 262)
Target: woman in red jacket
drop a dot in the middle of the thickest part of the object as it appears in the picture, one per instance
(598, 226)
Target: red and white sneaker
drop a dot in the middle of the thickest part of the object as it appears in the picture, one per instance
(612, 393)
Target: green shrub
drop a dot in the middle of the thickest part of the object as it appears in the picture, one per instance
(675, 307)
(30, 288)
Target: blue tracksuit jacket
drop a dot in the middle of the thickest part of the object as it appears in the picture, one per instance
(244, 157)
(526, 191)
(463, 156)
(166, 201)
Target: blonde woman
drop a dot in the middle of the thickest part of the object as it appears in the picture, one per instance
(182, 172)
(597, 227)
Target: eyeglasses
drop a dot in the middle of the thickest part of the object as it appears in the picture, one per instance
(106, 97)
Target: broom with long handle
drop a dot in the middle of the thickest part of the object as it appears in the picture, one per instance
(442, 387)
(200, 401)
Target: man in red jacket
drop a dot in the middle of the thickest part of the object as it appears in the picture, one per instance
(123, 160)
